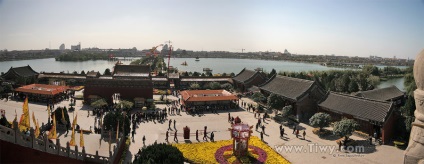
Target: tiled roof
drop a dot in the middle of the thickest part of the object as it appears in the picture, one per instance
(287, 87)
(24, 71)
(206, 79)
(384, 94)
(362, 108)
(131, 70)
(244, 75)
(173, 75)
(146, 83)
(207, 95)
(61, 76)
(42, 89)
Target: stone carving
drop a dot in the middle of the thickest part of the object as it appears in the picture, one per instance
(415, 151)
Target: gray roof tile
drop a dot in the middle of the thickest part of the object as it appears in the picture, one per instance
(384, 94)
(362, 108)
(288, 87)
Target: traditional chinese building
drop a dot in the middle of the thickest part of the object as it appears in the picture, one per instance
(372, 115)
(202, 97)
(391, 94)
(20, 75)
(131, 72)
(248, 78)
(303, 95)
(61, 78)
(42, 92)
(128, 89)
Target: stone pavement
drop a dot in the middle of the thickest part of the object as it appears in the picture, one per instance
(154, 131)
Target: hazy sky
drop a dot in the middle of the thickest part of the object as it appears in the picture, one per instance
(384, 28)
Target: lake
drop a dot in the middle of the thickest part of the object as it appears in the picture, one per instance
(218, 65)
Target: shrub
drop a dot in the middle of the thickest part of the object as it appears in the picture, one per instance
(159, 153)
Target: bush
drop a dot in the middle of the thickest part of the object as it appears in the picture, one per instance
(111, 122)
(320, 120)
(159, 153)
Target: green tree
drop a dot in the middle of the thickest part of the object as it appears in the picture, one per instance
(287, 110)
(272, 73)
(159, 153)
(82, 72)
(275, 101)
(345, 127)
(374, 80)
(227, 86)
(111, 120)
(258, 97)
(214, 85)
(99, 103)
(353, 86)
(125, 104)
(107, 72)
(195, 74)
(370, 69)
(194, 86)
(320, 120)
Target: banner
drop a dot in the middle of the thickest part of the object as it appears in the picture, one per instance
(52, 134)
(24, 122)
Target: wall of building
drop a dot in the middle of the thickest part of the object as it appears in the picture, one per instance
(128, 93)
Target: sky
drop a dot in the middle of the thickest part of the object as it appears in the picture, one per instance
(385, 28)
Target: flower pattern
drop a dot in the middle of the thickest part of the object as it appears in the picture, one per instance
(221, 152)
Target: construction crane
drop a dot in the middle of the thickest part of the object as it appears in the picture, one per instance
(153, 50)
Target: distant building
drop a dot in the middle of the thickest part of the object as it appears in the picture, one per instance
(202, 97)
(76, 47)
(62, 47)
(131, 72)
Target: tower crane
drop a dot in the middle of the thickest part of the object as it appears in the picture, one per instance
(153, 50)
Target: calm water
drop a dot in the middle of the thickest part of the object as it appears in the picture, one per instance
(218, 65)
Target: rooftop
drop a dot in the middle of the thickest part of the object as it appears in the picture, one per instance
(244, 75)
(362, 108)
(384, 94)
(288, 87)
(42, 89)
(207, 95)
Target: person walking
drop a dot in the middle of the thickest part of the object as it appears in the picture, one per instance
(174, 124)
(197, 135)
(281, 126)
(262, 136)
(167, 135)
(205, 138)
(263, 129)
(212, 137)
(257, 125)
(294, 129)
(175, 136)
(297, 133)
(229, 117)
(169, 125)
(144, 139)
(304, 134)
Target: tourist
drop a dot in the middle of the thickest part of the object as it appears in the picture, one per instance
(262, 136)
(166, 136)
(204, 136)
(281, 126)
(175, 136)
(304, 134)
(257, 125)
(197, 135)
(297, 133)
(212, 137)
(264, 118)
(174, 124)
(144, 139)
(170, 122)
(294, 129)
(229, 117)
(132, 133)
(263, 128)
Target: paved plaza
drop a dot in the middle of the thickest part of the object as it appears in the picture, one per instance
(218, 123)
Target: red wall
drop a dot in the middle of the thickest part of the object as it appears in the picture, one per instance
(128, 93)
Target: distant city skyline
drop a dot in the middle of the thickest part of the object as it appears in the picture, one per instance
(384, 28)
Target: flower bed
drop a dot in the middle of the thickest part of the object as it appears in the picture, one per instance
(209, 152)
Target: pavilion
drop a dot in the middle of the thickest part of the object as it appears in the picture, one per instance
(207, 97)
(42, 92)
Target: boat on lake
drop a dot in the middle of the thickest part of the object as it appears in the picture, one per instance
(184, 63)
(197, 59)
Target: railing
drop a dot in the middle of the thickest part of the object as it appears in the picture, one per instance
(44, 144)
